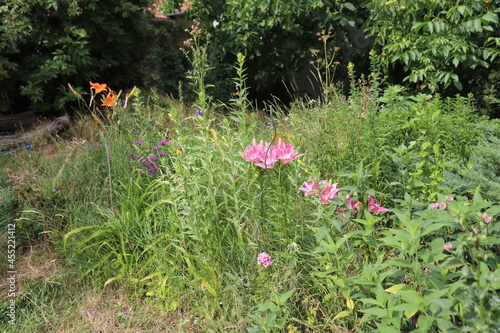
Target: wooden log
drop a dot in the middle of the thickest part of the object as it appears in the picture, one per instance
(12, 123)
(15, 140)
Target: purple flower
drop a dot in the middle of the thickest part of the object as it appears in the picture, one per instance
(264, 259)
(199, 113)
(109, 159)
(156, 148)
(164, 142)
(161, 154)
(153, 158)
(152, 170)
(137, 142)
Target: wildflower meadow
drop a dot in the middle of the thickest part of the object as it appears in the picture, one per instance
(369, 209)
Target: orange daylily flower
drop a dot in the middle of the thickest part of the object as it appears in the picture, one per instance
(98, 87)
(110, 99)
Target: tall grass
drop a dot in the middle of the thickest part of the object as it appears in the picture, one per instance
(183, 229)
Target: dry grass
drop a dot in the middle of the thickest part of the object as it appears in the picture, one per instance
(88, 310)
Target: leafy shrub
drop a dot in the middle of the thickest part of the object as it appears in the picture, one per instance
(482, 168)
(438, 44)
(46, 44)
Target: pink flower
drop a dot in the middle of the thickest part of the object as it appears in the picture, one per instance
(486, 218)
(286, 152)
(447, 246)
(261, 154)
(435, 205)
(312, 187)
(351, 204)
(328, 193)
(264, 259)
(375, 208)
(448, 198)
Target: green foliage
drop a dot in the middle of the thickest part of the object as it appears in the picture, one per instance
(46, 44)
(438, 44)
(482, 168)
(275, 36)
(425, 268)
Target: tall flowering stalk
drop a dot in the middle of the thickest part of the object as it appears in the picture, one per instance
(195, 50)
(267, 156)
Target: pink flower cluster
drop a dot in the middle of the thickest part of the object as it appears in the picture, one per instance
(442, 205)
(264, 259)
(265, 156)
(326, 192)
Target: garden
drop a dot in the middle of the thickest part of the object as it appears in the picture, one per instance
(365, 206)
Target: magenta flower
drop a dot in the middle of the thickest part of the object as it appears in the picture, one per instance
(351, 204)
(137, 142)
(161, 154)
(261, 154)
(311, 187)
(328, 193)
(286, 152)
(264, 259)
(153, 158)
(156, 148)
(375, 208)
(164, 142)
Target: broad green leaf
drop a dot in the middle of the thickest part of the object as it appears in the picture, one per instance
(341, 314)
(283, 298)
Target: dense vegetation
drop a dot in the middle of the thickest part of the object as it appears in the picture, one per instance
(371, 207)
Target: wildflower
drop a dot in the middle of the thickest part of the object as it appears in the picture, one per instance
(328, 193)
(199, 113)
(152, 170)
(435, 205)
(447, 246)
(286, 152)
(98, 87)
(156, 148)
(164, 142)
(375, 208)
(262, 154)
(138, 142)
(109, 159)
(264, 259)
(153, 158)
(110, 99)
(161, 154)
(448, 198)
(311, 187)
(351, 204)
(486, 218)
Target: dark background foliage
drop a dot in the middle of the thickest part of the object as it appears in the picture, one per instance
(427, 46)
(44, 45)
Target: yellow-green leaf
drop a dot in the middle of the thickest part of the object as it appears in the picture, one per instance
(395, 289)
(350, 304)
(208, 287)
(342, 314)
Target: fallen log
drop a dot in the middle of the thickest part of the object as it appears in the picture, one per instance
(13, 141)
(13, 123)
